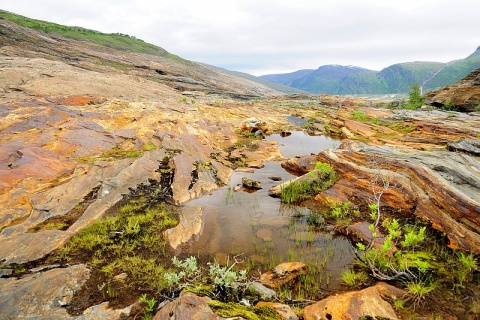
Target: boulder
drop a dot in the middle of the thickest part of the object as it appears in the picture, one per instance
(356, 305)
(282, 274)
(187, 306)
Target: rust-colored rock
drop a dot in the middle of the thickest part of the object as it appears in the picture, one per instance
(360, 232)
(282, 274)
(439, 186)
(187, 306)
(356, 304)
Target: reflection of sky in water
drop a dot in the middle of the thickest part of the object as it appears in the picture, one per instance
(235, 221)
(300, 143)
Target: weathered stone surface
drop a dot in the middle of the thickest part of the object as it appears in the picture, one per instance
(468, 146)
(439, 186)
(190, 227)
(245, 170)
(285, 312)
(187, 306)
(255, 164)
(283, 273)
(42, 294)
(356, 304)
(102, 311)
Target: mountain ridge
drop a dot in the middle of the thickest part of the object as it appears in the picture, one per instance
(397, 78)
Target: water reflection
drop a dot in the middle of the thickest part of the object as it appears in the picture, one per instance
(265, 230)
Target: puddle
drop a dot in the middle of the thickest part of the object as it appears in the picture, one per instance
(265, 230)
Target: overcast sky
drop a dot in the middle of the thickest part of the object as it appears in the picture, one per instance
(277, 36)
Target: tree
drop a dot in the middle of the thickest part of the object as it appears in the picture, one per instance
(415, 99)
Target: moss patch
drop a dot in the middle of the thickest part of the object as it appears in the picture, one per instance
(231, 309)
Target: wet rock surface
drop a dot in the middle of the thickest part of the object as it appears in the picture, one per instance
(356, 304)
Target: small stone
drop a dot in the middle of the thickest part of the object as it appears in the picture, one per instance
(237, 188)
(275, 178)
(121, 276)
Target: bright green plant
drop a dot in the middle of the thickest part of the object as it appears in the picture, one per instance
(353, 278)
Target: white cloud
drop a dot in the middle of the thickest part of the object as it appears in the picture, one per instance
(279, 36)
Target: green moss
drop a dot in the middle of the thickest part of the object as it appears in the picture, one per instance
(200, 289)
(362, 117)
(232, 309)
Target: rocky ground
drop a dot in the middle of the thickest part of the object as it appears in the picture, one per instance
(77, 137)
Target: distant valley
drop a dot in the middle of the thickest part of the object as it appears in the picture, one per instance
(397, 78)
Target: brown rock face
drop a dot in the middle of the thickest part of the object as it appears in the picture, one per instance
(282, 274)
(189, 228)
(439, 186)
(465, 94)
(187, 306)
(356, 304)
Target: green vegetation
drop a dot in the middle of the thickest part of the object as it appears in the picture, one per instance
(113, 40)
(353, 278)
(130, 242)
(362, 117)
(149, 306)
(231, 309)
(321, 178)
(415, 99)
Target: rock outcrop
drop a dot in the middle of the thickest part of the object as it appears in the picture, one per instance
(356, 305)
(187, 306)
(463, 95)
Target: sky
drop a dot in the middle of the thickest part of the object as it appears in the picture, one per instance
(279, 36)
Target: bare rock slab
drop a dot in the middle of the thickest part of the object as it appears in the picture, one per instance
(355, 305)
(43, 294)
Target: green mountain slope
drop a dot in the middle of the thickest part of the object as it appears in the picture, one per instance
(455, 71)
(326, 78)
(398, 78)
(113, 40)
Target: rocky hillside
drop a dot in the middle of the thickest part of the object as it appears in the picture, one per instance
(463, 95)
(398, 78)
(79, 53)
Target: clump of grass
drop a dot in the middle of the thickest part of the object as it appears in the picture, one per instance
(231, 309)
(130, 242)
(353, 278)
(322, 178)
(358, 115)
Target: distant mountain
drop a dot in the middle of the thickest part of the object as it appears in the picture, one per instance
(398, 78)
(261, 80)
